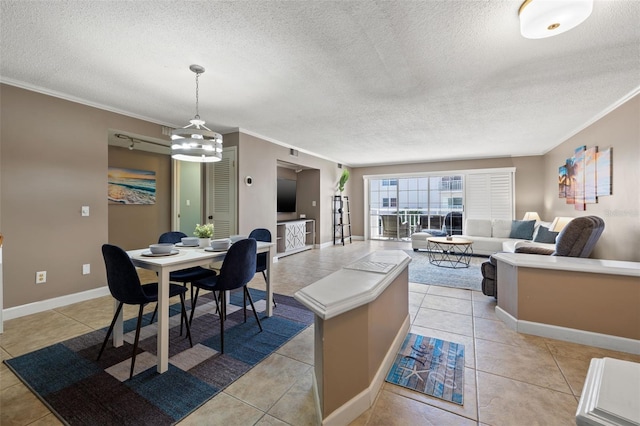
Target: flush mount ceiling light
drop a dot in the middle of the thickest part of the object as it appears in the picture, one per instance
(546, 18)
(196, 142)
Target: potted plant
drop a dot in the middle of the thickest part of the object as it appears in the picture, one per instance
(343, 180)
(204, 233)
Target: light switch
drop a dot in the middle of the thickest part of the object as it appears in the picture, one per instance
(86, 269)
(188, 203)
(313, 204)
(85, 210)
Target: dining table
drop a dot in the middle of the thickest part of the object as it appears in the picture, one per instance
(186, 257)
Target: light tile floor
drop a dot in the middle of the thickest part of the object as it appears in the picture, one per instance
(510, 378)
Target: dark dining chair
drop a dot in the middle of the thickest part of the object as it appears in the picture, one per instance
(262, 234)
(124, 285)
(237, 270)
(183, 276)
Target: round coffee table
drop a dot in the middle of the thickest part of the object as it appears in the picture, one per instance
(449, 253)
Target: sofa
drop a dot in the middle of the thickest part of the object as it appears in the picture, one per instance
(493, 235)
(577, 239)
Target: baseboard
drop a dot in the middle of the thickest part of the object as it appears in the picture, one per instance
(582, 337)
(365, 399)
(56, 302)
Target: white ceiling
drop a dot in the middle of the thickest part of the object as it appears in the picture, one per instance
(357, 82)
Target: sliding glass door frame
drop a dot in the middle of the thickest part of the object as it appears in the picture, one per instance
(412, 219)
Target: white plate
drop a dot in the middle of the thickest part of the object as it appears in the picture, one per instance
(184, 245)
(216, 250)
(149, 254)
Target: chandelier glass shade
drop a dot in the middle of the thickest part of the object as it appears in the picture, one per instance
(546, 18)
(196, 142)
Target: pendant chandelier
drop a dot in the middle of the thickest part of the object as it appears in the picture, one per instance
(196, 142)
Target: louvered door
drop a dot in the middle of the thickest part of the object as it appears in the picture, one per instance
(221, 194)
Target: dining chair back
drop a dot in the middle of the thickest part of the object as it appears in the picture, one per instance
(172, 237)
(239, 265)
(238, 268)
(183, 276)
(262, 234)
(124, 285)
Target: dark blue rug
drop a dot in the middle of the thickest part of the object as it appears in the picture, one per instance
(432, 366)
(81, 391)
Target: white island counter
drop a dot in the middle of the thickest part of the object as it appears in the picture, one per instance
(361, 319)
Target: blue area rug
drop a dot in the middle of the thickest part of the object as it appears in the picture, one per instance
(81, 391)
(432, 366)
(423, 272)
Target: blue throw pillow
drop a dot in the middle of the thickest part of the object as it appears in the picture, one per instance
(545, 236)
(522, 229)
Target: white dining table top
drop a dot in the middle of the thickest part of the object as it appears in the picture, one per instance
(186, 254)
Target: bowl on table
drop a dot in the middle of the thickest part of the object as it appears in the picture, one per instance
(235, 238)
(221, 244)
(161, 248)
(189, 241)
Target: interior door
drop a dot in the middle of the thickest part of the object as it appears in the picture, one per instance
(188, 196)
(221, 194)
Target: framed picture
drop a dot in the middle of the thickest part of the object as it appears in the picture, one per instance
(570, 185)
(603, 172)
(590, 158)
(130, 186)
(578, 178)
(563, 181)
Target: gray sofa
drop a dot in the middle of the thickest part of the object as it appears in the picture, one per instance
(577, 239)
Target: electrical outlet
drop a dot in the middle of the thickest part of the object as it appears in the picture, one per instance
(313, 204)
(41, 277)
(85, 210)
(86, 269)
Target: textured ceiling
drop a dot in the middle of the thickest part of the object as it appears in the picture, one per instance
(357, 82)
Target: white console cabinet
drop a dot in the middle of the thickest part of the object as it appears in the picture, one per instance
(294, 236)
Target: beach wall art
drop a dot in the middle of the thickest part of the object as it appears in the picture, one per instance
(130, 186)
(585, 176)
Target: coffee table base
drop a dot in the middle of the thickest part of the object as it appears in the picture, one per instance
(449, 255)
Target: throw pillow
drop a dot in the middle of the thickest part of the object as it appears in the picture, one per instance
(545, 236)
(522, 229)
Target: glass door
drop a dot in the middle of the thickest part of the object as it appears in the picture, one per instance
(399, 207)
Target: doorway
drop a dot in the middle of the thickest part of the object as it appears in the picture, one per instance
(206, 193)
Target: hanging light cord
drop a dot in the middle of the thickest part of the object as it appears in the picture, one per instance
(197, 97)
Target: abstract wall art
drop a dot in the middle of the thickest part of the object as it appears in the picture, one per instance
(585, 176)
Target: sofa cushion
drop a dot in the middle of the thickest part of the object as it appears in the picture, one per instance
(501, 228)
(522, 229)
(545, 236)
(478, 227)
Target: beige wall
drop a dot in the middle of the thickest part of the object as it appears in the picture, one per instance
(54, 161)
(619, 129)
(257, 203)
(537, 182)
(47, 172)
(135, 226)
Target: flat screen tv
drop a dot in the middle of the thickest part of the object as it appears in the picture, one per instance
(286, 195)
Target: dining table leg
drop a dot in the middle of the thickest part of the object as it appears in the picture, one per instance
(163, 321)
(118, 332)
(269, 287)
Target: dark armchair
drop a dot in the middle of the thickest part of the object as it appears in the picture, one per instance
(432, 224)
(577, 239)
(453, 223)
